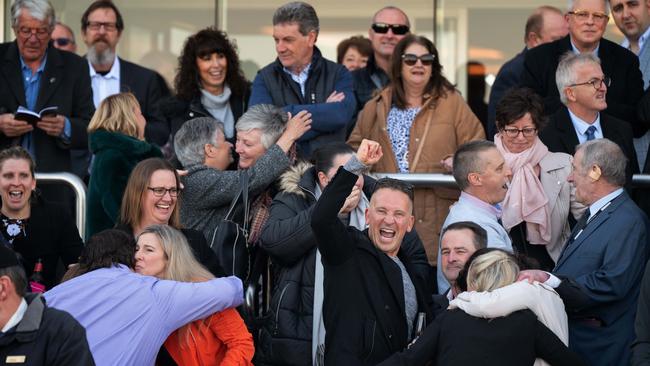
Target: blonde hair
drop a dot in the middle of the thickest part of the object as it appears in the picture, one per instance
(181, 266)
(491, 271)
(116, 113)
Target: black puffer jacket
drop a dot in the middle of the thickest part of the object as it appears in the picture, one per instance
(288, 238)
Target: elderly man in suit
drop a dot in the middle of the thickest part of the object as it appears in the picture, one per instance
(35, 75)
(601, 266)
(587, 22)
(546, 24)
(583, 89)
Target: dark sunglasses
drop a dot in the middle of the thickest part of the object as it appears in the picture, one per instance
(398, 29)
(62, 42)
(411, 59)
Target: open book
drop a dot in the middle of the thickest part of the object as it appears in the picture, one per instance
(31, 117)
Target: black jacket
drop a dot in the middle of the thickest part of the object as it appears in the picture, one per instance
(45, 336)
(291, 244)
(456, 338)
(52, 236)
(364, 309)
(621, 65)
(368, 81)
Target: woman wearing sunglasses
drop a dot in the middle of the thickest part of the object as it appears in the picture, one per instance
(116, 138)
(420, 119)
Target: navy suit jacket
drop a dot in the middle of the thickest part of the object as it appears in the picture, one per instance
(149, 89)
(601, 271)
(508, 77)
(65, 83)
(620, 64)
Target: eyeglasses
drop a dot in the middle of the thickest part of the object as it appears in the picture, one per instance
(514, 132)
(596, 83)
(398, 29)
(62, 42)
(583, 15)
(411, 59)
(95, 26)
(160, 191)
(41, 33)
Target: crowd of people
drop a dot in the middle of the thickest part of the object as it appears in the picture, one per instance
(537, 257)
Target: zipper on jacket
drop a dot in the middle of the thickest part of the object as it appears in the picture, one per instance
(277, 309)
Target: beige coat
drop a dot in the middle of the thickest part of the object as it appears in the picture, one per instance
(452, 124)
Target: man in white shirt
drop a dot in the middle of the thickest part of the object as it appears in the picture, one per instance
(600, 268)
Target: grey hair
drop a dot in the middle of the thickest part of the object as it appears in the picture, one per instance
(608, 156)
(269, 119)
(466, 161)
(39, 9)
(395, 8)
(565, 75)
(298, 12)
(571, 4)
(191, 138)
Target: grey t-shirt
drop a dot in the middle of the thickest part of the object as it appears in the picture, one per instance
(410, 297)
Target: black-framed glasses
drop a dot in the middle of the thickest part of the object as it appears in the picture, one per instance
(514, 132)
(398, 29)
(108, 26)
(596, 83)
(583, 15)
(62, 42)
(411, 59)
(160, 191)
(41, 33)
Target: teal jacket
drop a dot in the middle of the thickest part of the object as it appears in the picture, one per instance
(115, 155)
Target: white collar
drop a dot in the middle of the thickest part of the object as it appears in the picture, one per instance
(17, 317)
(114, 73)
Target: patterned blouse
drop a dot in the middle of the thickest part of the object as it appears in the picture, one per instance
(399, 130)
(11, 229)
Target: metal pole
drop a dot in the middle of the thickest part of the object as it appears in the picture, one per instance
(79, 190)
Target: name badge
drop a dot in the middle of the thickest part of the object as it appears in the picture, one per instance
(15, 359)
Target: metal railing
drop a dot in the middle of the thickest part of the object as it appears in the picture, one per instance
(79, 189)
(447, 180)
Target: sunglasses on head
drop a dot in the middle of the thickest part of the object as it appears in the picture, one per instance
(62, 42)
(398, 29)
(411, 59)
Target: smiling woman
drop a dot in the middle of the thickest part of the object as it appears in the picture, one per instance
(33, 227)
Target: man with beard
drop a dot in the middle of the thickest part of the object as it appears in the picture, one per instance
(101, 28)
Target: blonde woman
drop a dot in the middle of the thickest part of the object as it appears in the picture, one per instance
(116, 138)
(514, 339)
(220, 339)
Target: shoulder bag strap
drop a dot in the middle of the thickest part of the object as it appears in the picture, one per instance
(416, 159)
(243, 179)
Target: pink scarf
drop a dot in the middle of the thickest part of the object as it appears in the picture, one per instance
(526, 200)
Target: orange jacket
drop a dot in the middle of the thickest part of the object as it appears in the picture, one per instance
(220, 339)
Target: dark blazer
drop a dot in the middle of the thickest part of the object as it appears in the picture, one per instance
(601, 271)
(65, 83)
(507, 78)
(456, 338)
(149, 89)
(620, 64)
(641, 345)
(363, 308)
(52, 236)
(560, 136)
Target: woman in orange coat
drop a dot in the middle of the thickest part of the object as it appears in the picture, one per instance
(220, 339)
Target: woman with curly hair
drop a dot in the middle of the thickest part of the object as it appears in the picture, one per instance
(209, 82)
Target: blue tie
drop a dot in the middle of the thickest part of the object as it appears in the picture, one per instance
(591, 133)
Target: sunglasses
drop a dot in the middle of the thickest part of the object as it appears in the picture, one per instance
(398, 29)
(62, 42)
(411, 59)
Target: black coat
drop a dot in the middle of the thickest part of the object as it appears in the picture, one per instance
(199, 246)
(52, 236)
(65, 83)
(46, 336)
(363, 309)
(621, 65)
(149, 89)
(286, 338)
(456, 338)
(641, 345)
(560, 136)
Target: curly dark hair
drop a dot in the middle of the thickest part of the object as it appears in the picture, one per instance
(207, 41)
(438, 85)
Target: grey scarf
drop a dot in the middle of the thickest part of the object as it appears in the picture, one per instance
(219, 107)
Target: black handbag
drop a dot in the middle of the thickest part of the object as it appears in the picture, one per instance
(230, 238)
